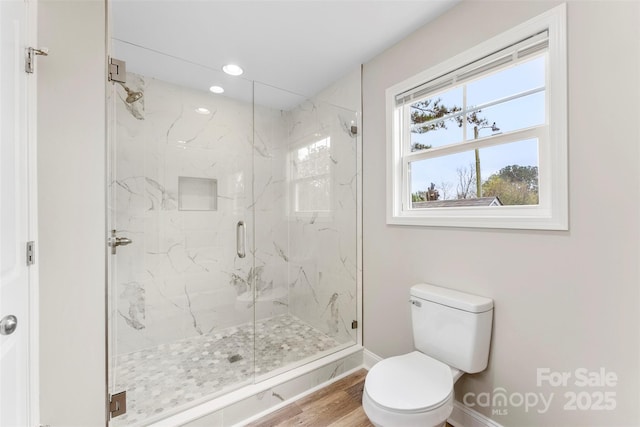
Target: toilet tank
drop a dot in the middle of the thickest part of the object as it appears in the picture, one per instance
(452, 326)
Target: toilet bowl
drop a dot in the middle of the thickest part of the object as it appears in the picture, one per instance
(451, 334)
(409, 390)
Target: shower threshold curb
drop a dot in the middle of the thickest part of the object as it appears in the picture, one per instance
(219, 403)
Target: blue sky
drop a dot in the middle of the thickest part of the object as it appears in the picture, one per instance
(516, 114)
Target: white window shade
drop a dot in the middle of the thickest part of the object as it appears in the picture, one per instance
(510, 55)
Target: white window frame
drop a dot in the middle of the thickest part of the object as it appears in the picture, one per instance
(294, 212)
(552, 211)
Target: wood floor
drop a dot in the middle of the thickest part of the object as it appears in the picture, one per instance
(337, 405)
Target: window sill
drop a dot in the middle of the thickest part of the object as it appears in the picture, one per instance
(519, 218)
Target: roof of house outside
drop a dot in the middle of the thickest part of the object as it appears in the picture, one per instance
(481, 201)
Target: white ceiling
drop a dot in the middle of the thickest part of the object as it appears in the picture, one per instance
(301, 46)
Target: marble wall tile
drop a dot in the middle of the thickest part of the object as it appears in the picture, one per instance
(234, 414)
(177, 279)
(182, 277)
(212, 420)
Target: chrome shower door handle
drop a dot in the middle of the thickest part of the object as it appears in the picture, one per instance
(240, 239)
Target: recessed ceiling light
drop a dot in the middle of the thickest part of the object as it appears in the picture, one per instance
(232, 69)
(202, 110)
(216, 89)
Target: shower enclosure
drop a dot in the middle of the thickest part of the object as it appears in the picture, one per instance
(233, 222)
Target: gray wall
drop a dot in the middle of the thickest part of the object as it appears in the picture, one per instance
(563, 300)
(71, 211)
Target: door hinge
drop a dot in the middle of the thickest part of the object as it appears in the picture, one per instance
(31, 253)
(30, 58)
(118, 404)
(117, 70)
(114, 241)
(354, 324)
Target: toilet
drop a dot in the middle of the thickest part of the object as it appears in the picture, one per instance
(451, 334)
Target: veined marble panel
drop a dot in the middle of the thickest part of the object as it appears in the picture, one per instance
(182, 277)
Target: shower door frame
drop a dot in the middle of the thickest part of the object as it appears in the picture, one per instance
(244, 215)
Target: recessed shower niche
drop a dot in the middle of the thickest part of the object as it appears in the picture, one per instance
(197, 194)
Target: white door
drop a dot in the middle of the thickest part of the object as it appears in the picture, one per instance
(14, 218)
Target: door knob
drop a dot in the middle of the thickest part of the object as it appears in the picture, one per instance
(115, 241)
(8, 324)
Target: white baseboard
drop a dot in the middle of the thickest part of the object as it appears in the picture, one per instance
(463, 416)
(370, 359)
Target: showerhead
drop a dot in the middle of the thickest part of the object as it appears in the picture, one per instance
(132, 96)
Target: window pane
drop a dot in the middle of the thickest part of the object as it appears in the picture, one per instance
(517, 114)
(510, 81)
(442, 178)
(310, 175)
(426, 130)
(510, 172)
(312, 159)
(313, 195)
(508, 176)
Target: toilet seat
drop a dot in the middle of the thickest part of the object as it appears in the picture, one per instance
(411, 383)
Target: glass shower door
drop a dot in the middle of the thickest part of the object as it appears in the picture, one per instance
(181, 191)
(305, 167)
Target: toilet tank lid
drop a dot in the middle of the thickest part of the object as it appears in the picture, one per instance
(452, 298)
